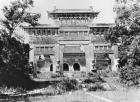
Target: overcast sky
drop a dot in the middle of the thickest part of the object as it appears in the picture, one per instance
(42, 6)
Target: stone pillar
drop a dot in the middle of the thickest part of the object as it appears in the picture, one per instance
(89, 56)
(61, 57)
(115, 58)
(56, 57)
(115, 49)
(31, 53)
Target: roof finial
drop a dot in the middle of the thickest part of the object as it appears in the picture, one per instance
(54, 8)
(91, 7)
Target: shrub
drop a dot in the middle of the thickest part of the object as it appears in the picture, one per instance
(88, 80)
(95, 87)
(67, 85)
(15, 78)
(94, 77)
(129, 75)
(11, 90)
(14, 66)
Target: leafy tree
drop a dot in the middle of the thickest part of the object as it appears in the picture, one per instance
(14, 55)
(17, 13)
(126, 32)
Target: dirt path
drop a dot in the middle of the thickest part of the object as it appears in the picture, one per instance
(78, 96)
(130, 95)
(99, 97)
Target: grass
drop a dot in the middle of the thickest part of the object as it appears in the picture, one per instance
(51, 94)
(78, 96)
(11, 91)
(120, 94)
(129, 95)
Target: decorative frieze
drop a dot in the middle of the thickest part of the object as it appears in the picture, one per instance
(42, 31)
(42, 40)
(47, 50)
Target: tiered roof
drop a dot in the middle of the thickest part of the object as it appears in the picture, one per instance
(42, 26)
(43, 40)
(73, 11)
(102, 25)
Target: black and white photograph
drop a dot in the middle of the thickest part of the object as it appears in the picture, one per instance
(69, 50)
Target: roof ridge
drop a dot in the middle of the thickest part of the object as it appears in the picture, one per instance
(73, 9)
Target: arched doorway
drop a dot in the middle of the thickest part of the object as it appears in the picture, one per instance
(51, 67)
(65, 67)
(76, 67)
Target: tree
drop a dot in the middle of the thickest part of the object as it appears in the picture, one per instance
(127, 29)
(127, 33)
(16, 14)
(14, 55)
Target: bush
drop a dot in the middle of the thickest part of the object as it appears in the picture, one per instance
(129, 75)
(88, 80)
(95, 87)
(15, 78)
(94, 77)
(14, 66)
(67, 85)
(11, 90)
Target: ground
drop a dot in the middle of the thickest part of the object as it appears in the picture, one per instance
(82, 96)
(120, 94)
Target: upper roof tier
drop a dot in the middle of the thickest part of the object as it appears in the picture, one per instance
(72, 12)
(98, 25)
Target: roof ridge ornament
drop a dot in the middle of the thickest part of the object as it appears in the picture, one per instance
(91, 8)
(54, 8)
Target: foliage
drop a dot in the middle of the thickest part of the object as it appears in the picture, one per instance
(93, 78)
(14, 55)
(126, 33)
(129, 75)
(67, 85)
(95, 87)
(14, 62)
(11, 90)
(16, 14)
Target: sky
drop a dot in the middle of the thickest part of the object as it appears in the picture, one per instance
(105, 7)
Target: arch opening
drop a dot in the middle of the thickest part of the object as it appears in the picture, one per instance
(65, 67)
(51, 67)
(76, 67)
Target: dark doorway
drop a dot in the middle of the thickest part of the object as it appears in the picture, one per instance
(51, 67)
(76, 67)
(65, 67)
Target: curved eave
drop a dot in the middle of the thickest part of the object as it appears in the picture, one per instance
(106, 25)
(40, 27)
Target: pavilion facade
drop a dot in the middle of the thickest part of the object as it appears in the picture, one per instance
(74, 43)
